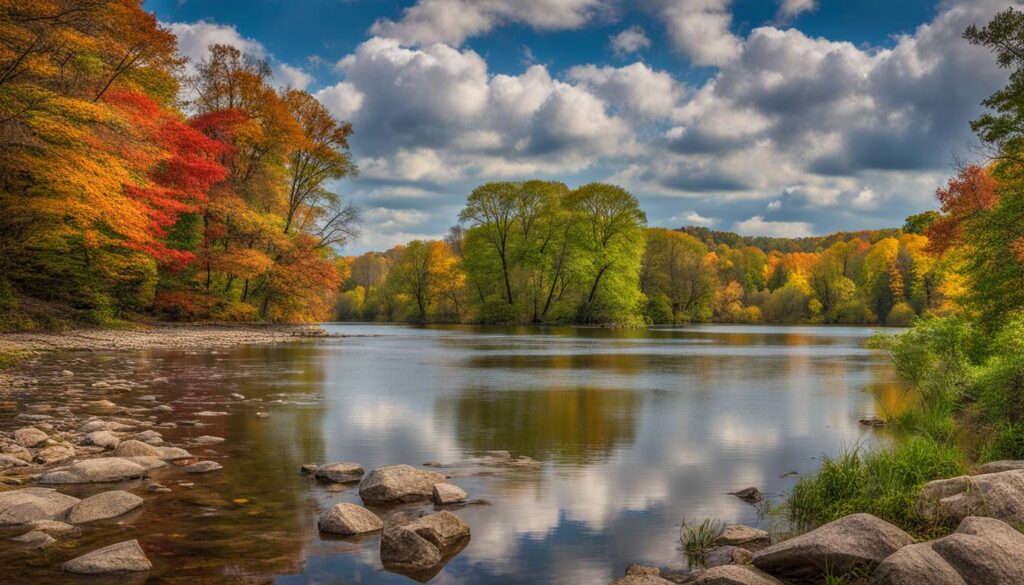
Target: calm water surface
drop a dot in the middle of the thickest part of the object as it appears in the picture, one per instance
(636, 431)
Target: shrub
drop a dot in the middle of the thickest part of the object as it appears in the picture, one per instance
(901, 315)
(698, 539)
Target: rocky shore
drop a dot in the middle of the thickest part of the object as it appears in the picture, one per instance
(986, 547)
(162, 336)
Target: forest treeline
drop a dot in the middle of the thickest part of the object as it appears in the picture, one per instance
(539, 252)
(133, 182)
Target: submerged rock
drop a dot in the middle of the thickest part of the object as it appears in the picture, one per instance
(30, 504)
(982, 551)
(750, 494)
(423, 544)
(995, 495)
(107, 469)
(123, 557)
(859, 541)
(55, 528)
(340, 472)
(398, 483)
(203, 467)
(446, 493)
(134, 448)
(727, 555)
(35, 539)
(348, 520)
(105, 439)
(103, 506)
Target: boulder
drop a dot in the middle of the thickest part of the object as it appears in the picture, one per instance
(30, 504)
(148, 462)
(35, 539)
(18, 452)
(982, 551)
(727, 555)
(855, 542)
(740, 534)
(995, 495)
(339, 472)
(123, 557)
(423, 544)
(203, 467)
(103, 506)
(446, 493)
(149, 437)
(107, 469)
(1000, 466)
(348, 520)
(171, 453)
(105, 439)
(398, 483)
(8, 461)
(55, 454)
(30, 437)
(641, 575)
(134, 448)
(732, 575)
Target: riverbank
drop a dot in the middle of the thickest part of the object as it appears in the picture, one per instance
(162, 336)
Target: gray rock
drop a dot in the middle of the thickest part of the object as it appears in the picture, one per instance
(148, 462)
(35, 539)
(208, 440)
(30, 504)
(134, 448)
(398, 483)
(858, 541)
(727, 555)
(107, 469)
(55, 528)
(424, 543)
(8, 461)
(339, 472)
(149, 437)
(982, 551)
(348, 520)
(103, 506)
(995, 495)
(30, 437)
(750, 494)
(104, 439)
(732, 575)
(309, 468)
(740, 534)
(446, 493)
(17, 451)
(123, 557)
(54, 454)
(203, 467)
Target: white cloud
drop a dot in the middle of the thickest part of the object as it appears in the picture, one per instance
(700, 29)
(758, 226)
(195, 38)
(789, 9)
(453, 21)
(866, 199)
(341, 99)
(630, 41)
(293, 77)
(694, 218)
(636, 87)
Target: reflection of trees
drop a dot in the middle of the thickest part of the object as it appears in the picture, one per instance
(579, 425)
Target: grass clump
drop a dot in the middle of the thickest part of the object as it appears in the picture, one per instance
(883, 482)
(698, 539)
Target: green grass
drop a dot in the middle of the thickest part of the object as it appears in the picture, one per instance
(9, 358)
(884, 482)
(698, 539)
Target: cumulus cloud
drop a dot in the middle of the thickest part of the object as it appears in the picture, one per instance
(629, 42)
(636, 88)
(693, 218)
(293, 77)
(758, 226)
(342, 99)
(453, 21)
(195, 38)
(700, 29)
(789, 9)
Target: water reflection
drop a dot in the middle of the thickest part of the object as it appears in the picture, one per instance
(636, 430)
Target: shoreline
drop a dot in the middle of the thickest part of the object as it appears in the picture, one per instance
(162, 336)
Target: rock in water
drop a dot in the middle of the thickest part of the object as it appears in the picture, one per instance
(740, 534)
(859, 541)
(339, 472)
(750, 494)
(423, 544)
(54, 454)
(398, 483)
(30, 437)
(123, 557)
(995, 495)
(55, 528)
(108, 469)
(982, 551)
(35, 539)
(104, 439)
(446, 493)
(133, 448)
(203, 467)
(348, 519)
(31, 504)
(103, 506)
(727, 555)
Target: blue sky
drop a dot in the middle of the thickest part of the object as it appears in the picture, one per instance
(787, 117)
